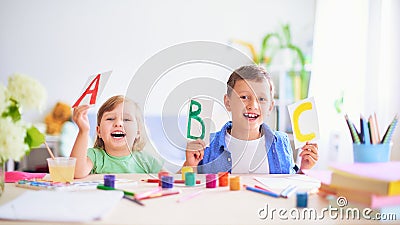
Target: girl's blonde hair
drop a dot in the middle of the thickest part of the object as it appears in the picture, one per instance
(110, 105)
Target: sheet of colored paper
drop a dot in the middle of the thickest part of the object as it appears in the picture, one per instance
(199, 119)
(304, 118)
(92, 90)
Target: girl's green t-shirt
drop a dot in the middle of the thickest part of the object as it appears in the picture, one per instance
(138, 162)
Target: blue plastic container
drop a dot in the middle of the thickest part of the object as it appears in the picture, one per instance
(367, 153)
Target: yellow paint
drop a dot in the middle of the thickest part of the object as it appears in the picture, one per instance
(296, 114)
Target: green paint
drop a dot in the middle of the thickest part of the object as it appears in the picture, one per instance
(195, 115)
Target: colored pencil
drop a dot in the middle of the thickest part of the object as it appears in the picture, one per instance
(102, 187)
(147, 193)
(289, 190)
(190, 196)
(377, 128)
(261, 191)
(353, 132)
(155, 180)
(160, 194)
(135, 200)
(390, 130)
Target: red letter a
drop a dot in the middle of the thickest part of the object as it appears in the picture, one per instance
(88, 91)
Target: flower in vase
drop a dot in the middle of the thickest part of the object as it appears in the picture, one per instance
(18, 137)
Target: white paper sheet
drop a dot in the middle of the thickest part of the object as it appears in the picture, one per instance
(60, 206)
(279, 183)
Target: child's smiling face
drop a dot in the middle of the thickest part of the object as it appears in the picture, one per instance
(116, 126)
(249, 102)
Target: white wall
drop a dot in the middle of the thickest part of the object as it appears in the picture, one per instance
(356, 53)
(61, 43)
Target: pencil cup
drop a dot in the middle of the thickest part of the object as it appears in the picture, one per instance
(371, 153)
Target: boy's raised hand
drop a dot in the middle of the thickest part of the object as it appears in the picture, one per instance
(194, 152)
(309, 155)
(80, 117)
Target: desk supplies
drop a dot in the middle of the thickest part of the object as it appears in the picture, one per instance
(133, 199)
(288, 191)
(301, 199)
(367, 153)
(60, 207)
(175, 181)
(147, 193)
(369, 132)
(261, 191)
(285, 193)
(160, 175)
(109, 181)
(211, 180)
(189, 196)
(160, 194)
(56, 186)
(223, 179)
(365, 134)
(62, 169)
(354, 134)
(167, 181)
(378, 178)
(186, 169)
(279, 182)
(103, 187)
(190, 179)
(49, 150)
(234, 183)
(127, 195)
(390, 130)
(15, 176)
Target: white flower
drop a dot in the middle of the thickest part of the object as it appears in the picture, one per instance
(3, 98)
(17, 137)
(27, 91)
(12, 139)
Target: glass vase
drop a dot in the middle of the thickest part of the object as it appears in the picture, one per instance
(2, 176)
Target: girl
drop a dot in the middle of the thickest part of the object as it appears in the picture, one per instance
(119, 141)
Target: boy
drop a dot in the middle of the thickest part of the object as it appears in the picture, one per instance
(246, 144)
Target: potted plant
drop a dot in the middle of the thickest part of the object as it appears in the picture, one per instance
(278, 43)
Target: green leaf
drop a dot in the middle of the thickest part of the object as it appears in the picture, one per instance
(300, 55)
(13, 112)
(286, 34)
(34, 138)
(264, 45)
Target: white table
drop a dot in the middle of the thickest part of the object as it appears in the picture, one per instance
(212, 206)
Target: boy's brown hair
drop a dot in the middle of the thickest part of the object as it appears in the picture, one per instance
(110, 105)
(249, 72)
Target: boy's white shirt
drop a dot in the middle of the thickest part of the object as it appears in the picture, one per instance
(248, 156)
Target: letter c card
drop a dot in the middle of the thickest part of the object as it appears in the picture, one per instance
(304, 118)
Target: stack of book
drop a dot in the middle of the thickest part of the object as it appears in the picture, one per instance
(372, 185)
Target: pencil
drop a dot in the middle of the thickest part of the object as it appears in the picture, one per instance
(155, 180)
(189, 196)
(389, 132)
(261, 191)
(372, 130)
(365, 130)
(102, 187)
(160, 194)
(377, 128)
(133, 200)
(289, 190)
(353, 131)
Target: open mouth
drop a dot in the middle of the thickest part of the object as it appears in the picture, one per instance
(251, 115)
(118, 134)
